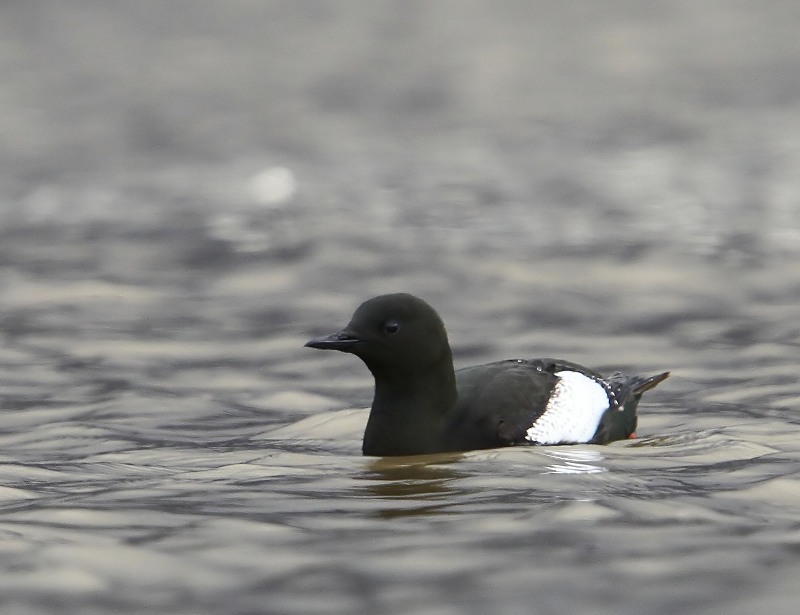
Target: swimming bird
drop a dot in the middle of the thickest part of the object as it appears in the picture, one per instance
(423, 405)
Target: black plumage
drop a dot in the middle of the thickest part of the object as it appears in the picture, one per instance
(423, 405)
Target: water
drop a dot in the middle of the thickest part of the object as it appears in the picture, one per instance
(191, 193)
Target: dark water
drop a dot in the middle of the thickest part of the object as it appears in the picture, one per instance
(190, 191)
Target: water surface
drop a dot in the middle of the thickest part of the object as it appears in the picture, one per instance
(192, 193)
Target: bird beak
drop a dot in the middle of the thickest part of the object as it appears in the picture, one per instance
(342, 341)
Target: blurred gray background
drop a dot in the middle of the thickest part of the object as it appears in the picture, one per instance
(189, 190)
(553, 126)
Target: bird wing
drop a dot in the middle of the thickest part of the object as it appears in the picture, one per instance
(498, 402)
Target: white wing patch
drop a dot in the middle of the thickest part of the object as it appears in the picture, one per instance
(573, 411)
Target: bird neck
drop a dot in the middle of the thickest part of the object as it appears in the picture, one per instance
(409, 411)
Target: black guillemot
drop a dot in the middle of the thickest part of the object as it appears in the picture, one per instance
(423, 405)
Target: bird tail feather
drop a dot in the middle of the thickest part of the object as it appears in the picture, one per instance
(649, 383)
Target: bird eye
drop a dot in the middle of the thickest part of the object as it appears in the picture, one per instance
(391, 327)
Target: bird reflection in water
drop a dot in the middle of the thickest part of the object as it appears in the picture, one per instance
(414, 485)
(573, 461)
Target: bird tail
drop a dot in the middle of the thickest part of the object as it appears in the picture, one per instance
(626, 387)
(649, 383)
